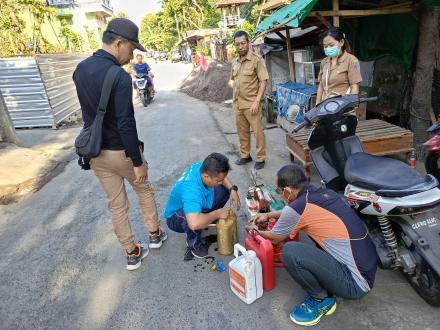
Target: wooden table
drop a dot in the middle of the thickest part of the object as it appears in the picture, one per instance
(377, 136)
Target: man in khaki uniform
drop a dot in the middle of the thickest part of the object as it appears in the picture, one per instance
(248, 80)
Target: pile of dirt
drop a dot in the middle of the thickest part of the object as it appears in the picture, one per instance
(211, 85)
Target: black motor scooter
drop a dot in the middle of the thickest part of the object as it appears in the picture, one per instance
(144, 89)
(400, 207)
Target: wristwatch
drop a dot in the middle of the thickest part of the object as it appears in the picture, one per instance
(234, 187)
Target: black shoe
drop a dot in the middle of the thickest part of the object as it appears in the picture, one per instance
(134, 260)
(208, 240)
(200, 252)
(242, 161)
(259, 165)
(188, 255)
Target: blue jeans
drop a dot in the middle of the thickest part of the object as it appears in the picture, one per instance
(179, 224)
(318, 273)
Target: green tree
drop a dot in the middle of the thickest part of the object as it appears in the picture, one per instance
(73, 41)
(121, 14)
(12, 39)
(245, 26)
(161, 31)
(91, 38)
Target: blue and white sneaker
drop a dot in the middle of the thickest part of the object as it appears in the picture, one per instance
(156, 240)
(310, 311)
(134, 260)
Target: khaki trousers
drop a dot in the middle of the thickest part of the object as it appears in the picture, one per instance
(244, 119)
(111, 168)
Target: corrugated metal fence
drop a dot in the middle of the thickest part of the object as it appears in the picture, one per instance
(56, 72)
(39, 92)
(24, 93)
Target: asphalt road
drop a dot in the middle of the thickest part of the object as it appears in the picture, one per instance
(61, 266)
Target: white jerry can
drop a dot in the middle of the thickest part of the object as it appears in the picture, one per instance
(245, 275)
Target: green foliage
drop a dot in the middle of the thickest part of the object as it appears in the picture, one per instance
(91, 38)
(121, 14)
(73, 41)
(202, 50)
(161, 31)
(13, 40)
(245, 26)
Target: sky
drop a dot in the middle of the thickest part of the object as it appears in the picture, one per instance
(136, 9)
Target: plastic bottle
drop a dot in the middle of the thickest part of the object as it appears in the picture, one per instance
(227, 234)
(245, 275)
(413, 159)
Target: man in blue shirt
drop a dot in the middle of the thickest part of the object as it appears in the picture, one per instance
(140, 67)
(198, 199)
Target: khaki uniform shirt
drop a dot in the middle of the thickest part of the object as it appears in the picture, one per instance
(337, 79)
(247, 74)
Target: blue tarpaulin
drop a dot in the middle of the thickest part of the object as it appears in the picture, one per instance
(293, 93)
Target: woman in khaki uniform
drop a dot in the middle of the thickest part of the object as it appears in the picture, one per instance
(340, 72)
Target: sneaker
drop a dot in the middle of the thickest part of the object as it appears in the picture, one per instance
(156, 240)
(242, 161)
(188, 255)
(311, 310)
(200, 252)
(134, 260)
(259, 165)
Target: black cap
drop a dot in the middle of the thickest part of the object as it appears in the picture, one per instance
(126, 29)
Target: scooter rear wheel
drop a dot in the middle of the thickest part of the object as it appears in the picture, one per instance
(432, 164)
(428, 285)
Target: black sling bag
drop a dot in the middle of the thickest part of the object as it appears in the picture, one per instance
(88, 142)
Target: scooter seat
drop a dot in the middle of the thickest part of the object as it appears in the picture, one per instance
(385, 176)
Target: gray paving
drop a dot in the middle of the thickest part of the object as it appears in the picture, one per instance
(61, 265)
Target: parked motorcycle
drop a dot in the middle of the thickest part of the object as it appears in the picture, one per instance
(399, 206)
(144, 89)
(433, 147)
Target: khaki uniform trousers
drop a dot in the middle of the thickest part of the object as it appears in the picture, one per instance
(111, 167)
(244, 119)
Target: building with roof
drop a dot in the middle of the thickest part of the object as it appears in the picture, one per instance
(230, 12)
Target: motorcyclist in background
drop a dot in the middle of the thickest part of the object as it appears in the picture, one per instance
(140, 67)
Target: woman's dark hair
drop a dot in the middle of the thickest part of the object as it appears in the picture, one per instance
(215, 164)
(291, 175)
(239, 34)
(338, 34)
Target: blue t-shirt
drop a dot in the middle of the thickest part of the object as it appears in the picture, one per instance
(141, 68)
(190, 194)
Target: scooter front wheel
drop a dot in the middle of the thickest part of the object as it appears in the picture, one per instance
(432, 164)
(143, 98)
(427, 284)
(146, 98)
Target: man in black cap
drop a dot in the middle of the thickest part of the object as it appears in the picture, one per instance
(121, 155)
